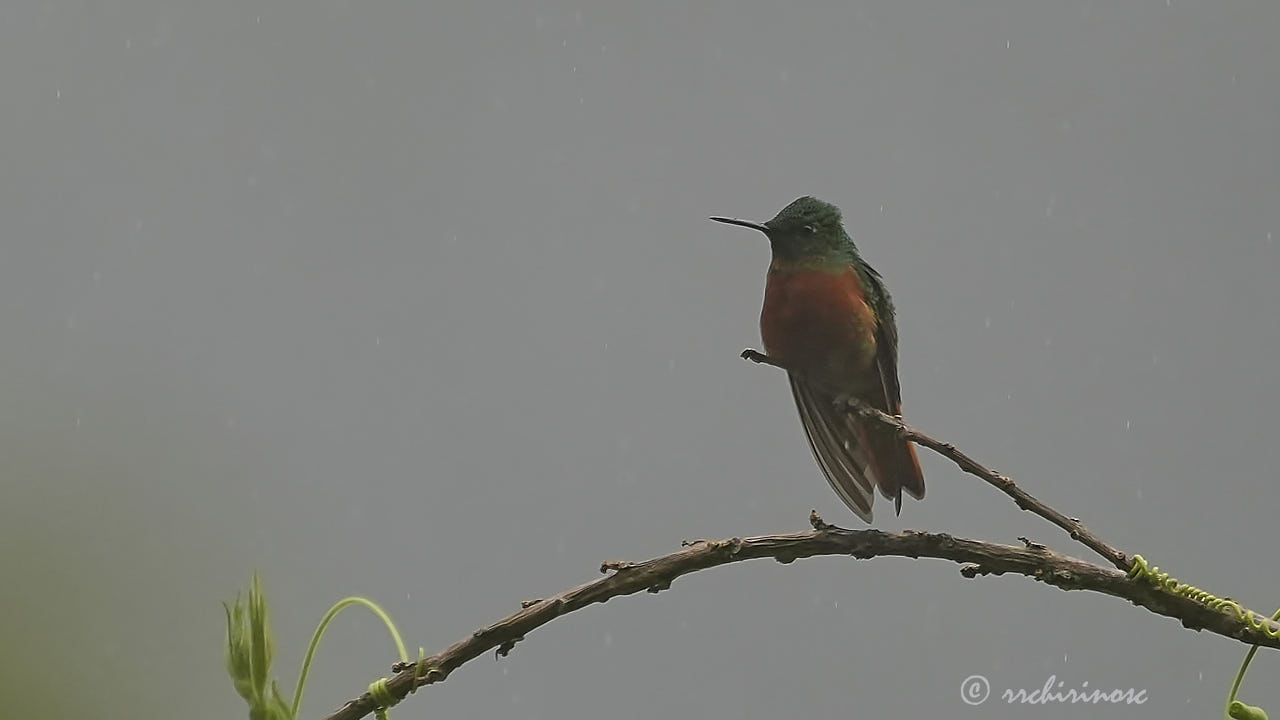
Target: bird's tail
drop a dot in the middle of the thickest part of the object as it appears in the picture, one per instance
(893, 462)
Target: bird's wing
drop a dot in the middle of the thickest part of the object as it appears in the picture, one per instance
(886, 339)
(838, 446)
(896, 464)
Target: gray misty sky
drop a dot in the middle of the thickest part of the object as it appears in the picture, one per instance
(419, 301)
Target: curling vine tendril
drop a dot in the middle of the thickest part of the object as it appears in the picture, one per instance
(1235, 709)
(1141, 569)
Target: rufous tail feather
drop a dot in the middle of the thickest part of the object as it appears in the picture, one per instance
(894, 463)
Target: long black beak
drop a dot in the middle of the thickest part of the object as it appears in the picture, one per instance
(741, 223)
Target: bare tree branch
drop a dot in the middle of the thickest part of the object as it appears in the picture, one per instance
(1025, 500)
(979, 558)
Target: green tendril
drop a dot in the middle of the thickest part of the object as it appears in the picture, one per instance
(1235, 709)
(385, 700)
(420, 672)
(1161, 579)
(381, 694)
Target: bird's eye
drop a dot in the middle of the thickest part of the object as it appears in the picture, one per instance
(808, 230)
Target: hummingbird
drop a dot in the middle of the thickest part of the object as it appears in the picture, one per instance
(828, 316)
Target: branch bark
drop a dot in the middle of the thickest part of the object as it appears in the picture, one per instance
(978, 558)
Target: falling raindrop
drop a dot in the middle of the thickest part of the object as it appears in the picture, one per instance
(1127, 424)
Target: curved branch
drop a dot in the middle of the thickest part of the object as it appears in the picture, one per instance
(979, 558)
(1025, 500)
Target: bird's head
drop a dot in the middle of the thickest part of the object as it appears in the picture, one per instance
(808, 231)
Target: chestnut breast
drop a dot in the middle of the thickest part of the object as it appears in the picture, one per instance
(817, 320)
